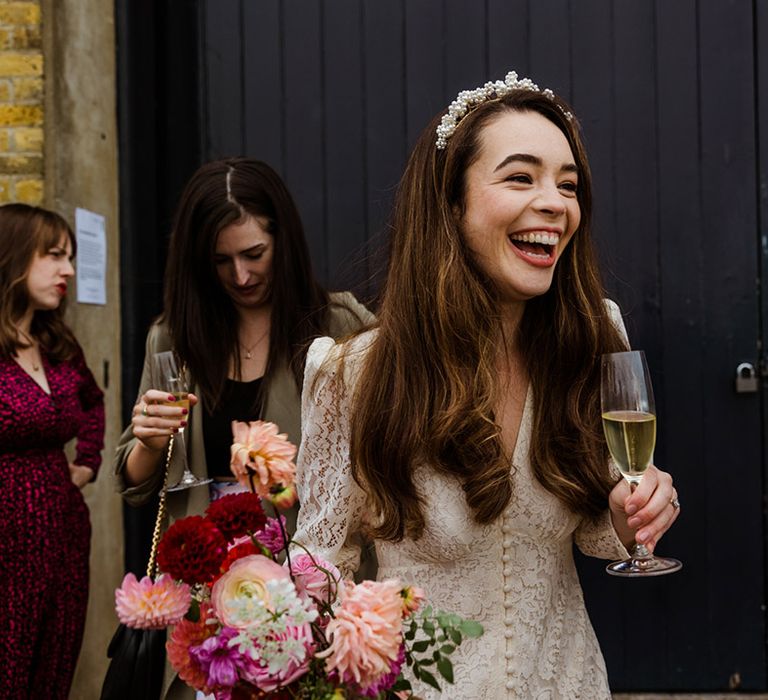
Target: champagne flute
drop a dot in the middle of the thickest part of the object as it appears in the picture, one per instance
(629, 423)
(168, 377)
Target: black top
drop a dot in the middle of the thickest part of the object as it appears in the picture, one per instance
(240, 401)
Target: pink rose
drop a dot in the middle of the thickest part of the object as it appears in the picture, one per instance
(315, 579)
(244, 583)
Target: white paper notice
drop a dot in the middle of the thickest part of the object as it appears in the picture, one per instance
(91, 257)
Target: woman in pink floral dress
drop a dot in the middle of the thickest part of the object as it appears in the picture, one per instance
(47, 397)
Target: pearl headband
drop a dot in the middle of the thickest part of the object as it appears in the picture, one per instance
(468, 99)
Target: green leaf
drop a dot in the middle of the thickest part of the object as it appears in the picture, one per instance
(429, 679)
(401, 684)
(455, 635)
(411, 633)
(193, 614)
(447, 649)
(421, 646)
(471, 629)
(429, 628)
(446, 669)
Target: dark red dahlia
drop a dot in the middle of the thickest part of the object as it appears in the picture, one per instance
(192, 550)
(237, 515)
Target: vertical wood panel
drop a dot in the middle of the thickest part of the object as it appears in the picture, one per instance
(262, 82)
(592, 47)
(222, 53)
(384, 116)
(465, 46)
(550, 45)
(508, 38)
(345, 163)
(304, 122)
(424, 66)
(680, 274)
(761, 83)
(732, 460)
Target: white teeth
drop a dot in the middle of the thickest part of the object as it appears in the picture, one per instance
(541, 237)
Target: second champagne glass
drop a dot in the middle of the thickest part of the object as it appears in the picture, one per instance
(629, 423)
(170, 378)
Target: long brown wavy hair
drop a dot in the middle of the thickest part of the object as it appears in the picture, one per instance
(24, 232)
(200, 316)
(429, 382)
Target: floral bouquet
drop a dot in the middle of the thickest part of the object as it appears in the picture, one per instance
(243, 626)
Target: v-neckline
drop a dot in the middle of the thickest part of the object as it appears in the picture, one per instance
(524, 424)
(49, 392)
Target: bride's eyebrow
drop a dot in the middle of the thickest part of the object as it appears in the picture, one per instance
(519, 158)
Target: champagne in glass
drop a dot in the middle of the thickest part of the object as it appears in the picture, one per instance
(629, 424)
(170, 378)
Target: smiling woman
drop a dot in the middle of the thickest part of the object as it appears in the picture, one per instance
(47, 397)
(520, 210)
(463, 433)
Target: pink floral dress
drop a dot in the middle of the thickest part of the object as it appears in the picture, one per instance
(46, 531)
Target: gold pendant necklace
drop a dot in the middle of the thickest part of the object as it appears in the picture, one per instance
(248, 351)
(33, 345)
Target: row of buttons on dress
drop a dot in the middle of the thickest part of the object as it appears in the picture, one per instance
(506, 558)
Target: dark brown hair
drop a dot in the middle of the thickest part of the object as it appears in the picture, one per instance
(199, 314)
(26, 231)
(429, 383)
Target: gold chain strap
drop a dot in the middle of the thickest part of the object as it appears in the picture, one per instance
(152, 565)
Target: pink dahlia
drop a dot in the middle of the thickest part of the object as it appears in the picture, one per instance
(366, 634)
(259, 450)
(190, 634)
(294, 660)
(148, 604)
(315, 578)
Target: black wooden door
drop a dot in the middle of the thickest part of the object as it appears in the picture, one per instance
(672, 96)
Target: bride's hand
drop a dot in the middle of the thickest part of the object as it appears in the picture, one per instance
(645, 514)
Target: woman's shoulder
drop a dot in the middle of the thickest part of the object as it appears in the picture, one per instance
(326, 355)
(158, 337)
(347, 314)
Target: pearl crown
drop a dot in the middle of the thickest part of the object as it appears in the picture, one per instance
(467, 99)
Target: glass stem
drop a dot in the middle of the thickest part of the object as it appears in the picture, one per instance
(640, 554)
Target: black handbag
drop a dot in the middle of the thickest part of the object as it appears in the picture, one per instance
(137, 656)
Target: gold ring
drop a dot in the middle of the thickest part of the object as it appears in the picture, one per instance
(144, 411)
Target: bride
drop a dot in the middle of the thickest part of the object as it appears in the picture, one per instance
(462, 435)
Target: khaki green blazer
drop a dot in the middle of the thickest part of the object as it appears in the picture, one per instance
(282, 406)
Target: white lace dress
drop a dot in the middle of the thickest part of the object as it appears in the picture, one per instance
(516, 577)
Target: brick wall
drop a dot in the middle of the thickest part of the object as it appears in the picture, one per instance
(21, 102)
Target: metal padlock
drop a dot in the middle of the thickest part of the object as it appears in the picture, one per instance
(746, 378)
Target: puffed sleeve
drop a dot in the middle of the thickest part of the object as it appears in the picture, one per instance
(597, 538)
(90, 436)
(332, 504)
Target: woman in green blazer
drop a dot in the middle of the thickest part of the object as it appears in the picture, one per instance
(241, 306)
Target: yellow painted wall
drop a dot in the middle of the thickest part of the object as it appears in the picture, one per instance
(22, 113)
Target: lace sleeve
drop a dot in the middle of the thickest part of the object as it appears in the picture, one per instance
(597, 538)
(331, 501)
